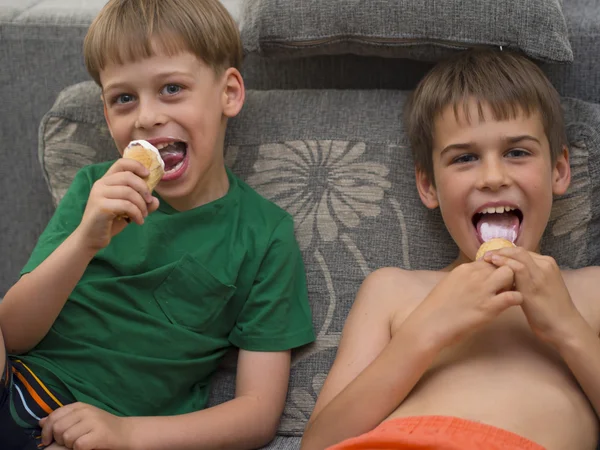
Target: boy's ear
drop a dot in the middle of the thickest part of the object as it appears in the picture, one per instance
(234, 93)
(561, 173)
(426, 189)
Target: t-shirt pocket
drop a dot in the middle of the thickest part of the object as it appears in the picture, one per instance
(191, 296)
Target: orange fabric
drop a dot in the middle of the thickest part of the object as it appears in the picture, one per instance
(42, 385)
(34, 395)
(436, 433)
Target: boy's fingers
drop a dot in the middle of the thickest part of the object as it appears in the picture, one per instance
(131, 180)
(128, 165)
(75, 432)
(502, 278)
(124, 208)
(516, 253)
(58, 427)
(129, 194)
(507, 299)
(500, 260)
(153, 205)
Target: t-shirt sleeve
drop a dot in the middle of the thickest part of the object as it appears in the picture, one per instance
(276, 315)
(65, 219)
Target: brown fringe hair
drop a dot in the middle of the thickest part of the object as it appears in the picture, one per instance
(508, 82)
(125, 31)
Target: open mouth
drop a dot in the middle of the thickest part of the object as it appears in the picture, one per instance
(498, 222)
(174, 156)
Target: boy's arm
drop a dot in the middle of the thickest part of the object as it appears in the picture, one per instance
(581, 352)
(248, 421)
(380, 359)
(83, 223)
(553, 316)
(31, 306)
(372, 372)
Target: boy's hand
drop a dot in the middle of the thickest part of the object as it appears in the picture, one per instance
(546, 300)
(120, 193)
(85, 427)
(470, 296)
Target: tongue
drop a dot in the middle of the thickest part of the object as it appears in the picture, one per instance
(172, 155)
(505, 225)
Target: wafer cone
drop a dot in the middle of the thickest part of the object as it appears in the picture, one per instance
(149, 156)
(493, 244)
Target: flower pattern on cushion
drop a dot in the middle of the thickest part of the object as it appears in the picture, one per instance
(321, 183)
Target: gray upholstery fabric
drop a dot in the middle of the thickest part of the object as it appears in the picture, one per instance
(339, 162)
(579, 79)
(404, 28)
(284, 443)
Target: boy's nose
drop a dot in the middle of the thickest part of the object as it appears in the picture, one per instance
(493, 175)
(149, 116)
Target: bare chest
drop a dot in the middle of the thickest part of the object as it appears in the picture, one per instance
(503, 375)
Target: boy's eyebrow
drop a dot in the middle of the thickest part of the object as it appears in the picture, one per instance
(524, 137)
(465, 146)
(113, 86)
(159, 76)
(508, 140)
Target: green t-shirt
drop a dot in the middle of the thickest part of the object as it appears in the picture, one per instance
(155, 311)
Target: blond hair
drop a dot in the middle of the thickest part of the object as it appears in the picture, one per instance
(126, 30)
(508, 83)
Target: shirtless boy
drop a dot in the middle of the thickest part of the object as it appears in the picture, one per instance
(501, 352)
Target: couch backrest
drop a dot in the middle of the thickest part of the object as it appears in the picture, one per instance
(320, 136)
(390, 44)
(339, 162)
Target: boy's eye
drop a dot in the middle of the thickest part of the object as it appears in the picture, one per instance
(123, 98)
(464, 159)
(517, 153)
(171, 89)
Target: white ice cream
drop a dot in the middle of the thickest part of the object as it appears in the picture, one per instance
(149, 146)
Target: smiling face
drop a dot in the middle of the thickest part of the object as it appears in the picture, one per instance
(492, 178)
(181, 106)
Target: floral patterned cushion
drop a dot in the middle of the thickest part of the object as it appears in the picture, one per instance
(339, 162)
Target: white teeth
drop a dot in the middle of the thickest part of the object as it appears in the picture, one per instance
(163, 145)
(497, 210)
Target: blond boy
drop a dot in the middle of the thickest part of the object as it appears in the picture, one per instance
(115, 328)
(497, 353)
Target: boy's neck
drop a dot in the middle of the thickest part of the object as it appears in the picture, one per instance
(209, 189)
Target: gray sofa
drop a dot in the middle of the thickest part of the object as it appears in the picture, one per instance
(321, 134)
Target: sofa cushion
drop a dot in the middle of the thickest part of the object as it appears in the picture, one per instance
(404, 28)
(339, 162)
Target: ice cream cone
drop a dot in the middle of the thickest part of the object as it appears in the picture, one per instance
(149, 156)
(493, 244)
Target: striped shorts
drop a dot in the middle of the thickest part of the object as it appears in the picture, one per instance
(24, 401)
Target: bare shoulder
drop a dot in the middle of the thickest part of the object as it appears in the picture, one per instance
(583, 285)
(580, 281)
(407, 278)
(395, 292)
(395, 284)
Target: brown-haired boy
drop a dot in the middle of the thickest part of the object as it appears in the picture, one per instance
(119, 326)
(497, 353)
